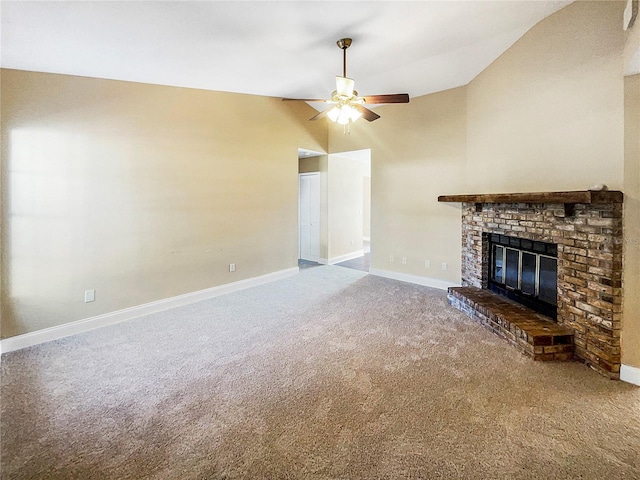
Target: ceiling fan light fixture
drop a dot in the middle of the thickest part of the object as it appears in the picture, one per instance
(333, 113)
(343, 114)
(353, 113)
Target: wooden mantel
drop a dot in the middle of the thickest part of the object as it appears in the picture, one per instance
(582, 196)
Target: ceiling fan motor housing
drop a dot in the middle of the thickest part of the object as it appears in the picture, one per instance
(344, 43)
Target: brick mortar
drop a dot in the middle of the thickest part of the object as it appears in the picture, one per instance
(589, 266)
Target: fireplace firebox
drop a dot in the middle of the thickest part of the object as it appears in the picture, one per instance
(525, 271)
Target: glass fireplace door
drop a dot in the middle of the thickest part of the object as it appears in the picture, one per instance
(525, 271)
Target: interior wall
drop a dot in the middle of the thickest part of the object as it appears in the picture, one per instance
(631, 230)
(141, 192)
(547, 115)
(309, 165)
(366, 204)
(346, 205)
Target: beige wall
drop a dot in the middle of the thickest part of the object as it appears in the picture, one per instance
(140, 192)
(346, 197)
(547, 115)
(418, 151)
(631, 248)
(366, 205)
(309, 165)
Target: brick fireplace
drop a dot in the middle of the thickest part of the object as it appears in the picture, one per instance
(586, 226)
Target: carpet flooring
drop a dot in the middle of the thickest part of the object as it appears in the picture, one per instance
(331, 374)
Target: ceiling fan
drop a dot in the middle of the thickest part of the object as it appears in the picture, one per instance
(347, 105)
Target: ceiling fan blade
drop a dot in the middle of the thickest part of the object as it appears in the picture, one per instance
(322, 114)
(305, 100)
(367, 114)
(390, 98)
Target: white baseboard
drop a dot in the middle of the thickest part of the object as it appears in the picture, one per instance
(630, 374)
(72, 328)
(405, 277)
(344, 258)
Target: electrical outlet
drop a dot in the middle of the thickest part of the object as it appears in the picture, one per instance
(404, 260)
(89, 296)
(232, 267)
(391, 258)
(444, 266)
(427, 264)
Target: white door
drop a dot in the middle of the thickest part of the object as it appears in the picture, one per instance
(309, 221)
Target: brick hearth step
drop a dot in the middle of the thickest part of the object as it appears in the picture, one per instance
(530, 332)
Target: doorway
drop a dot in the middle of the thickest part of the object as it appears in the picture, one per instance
(349, 199)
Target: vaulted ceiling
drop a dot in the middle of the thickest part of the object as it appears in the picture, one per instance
(281, 49)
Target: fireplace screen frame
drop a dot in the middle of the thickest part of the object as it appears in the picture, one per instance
(524, 289)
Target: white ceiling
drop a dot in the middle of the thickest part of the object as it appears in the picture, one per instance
(281, 49)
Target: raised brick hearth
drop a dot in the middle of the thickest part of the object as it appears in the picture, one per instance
(528, 331)
(589, 239)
